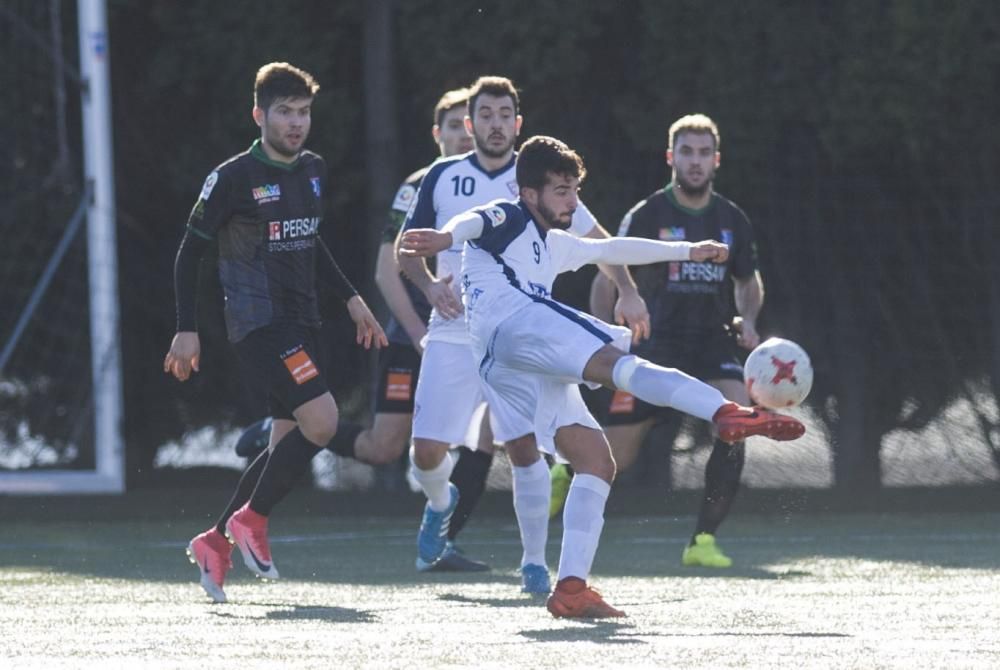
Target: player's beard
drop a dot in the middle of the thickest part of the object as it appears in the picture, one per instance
(550, 218)
(683, 184)
(279, 145)
(482, 144)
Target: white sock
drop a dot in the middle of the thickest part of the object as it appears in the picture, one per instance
(434, 482)
(666, 387)
(583, 520)
(532, 491)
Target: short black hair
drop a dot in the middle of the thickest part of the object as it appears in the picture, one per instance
(498, 87)
(276, 81)
(541, 155)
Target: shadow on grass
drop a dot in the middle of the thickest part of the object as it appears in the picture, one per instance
(524, 601)
(299, 613)
(583, 630)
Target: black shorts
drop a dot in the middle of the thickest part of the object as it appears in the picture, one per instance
(285, 362)
(706, 358)
(398, 370)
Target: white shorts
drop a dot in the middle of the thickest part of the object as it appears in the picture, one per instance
(448, 401)
(534, 364)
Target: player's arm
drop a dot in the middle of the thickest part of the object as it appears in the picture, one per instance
(603, 295)
(640, 251)
(629, 308)
(369, 331)
(748, 294)
(394, 292)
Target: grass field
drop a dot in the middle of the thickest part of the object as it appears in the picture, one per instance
(819, 590)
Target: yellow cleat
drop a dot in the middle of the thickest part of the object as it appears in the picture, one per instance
(705, 553)
(561, 479)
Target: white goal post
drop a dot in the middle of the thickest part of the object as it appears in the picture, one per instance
(108, 476)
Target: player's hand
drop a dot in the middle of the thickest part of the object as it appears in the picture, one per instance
(369, 330)
(746, 333)
(630, 309)
(710, 250)
(423, 242)
(440, 295)
(183, 356)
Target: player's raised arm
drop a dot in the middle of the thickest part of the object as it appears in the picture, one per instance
(639, 251)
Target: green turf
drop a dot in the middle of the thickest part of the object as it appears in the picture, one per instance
(828, 591)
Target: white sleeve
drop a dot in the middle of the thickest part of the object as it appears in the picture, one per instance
(570, 253)
(464, 227)
(583, 220)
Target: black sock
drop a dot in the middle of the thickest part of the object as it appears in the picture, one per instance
(248, 481)
(343, 440)
(722, 481)
(290, 459)
(469, 475)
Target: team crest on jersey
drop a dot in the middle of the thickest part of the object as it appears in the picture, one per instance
(727, 236)
(672, 233)
(496, 215)
(206, 189)
(266, 193)
(316, 187)
(512, 185)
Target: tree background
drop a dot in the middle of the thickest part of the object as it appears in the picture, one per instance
(857, 135)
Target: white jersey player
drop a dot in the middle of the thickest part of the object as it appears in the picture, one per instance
(449, 391)
(533, 351)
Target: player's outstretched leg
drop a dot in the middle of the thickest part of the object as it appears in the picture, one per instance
(211, 552)
(735, 423)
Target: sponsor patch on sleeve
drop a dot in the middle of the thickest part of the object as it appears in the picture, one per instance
(496, 215)
(300, 366)
(404, 198)
(206, 189)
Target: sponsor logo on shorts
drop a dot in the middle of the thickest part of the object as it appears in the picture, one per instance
(398, 385)
(622, 402)
(300, 366)
(266, 193)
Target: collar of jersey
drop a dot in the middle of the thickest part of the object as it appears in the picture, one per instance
(668, 191)
(257, 151)
(474, 159)
(529, 217)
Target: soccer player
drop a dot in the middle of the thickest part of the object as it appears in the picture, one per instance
(264, 206)
(399, 363)
(693, 325)
(449, 390)
(533, 352)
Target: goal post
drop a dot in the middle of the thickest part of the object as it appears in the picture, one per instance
(108, 472)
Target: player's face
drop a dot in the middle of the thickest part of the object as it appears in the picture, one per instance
(451, 135)
(495, 125)
(285, 125)
(557, 200)
(694, 160)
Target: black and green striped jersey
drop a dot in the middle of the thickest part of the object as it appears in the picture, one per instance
(266, 217)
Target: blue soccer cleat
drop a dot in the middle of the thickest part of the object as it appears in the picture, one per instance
(535, 579)
(433, 536)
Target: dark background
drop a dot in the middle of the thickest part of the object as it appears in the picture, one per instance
(859, 136)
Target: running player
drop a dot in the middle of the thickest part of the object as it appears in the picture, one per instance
(264, 206)
(450, 390)
(533, 351)
(693, 327)
(399, 363)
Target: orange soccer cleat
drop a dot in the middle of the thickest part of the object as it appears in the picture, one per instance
(572, 598)
(735, 422)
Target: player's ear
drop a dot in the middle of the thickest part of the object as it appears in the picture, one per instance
(436, 133)
(718, 159)
(670, 157)
(258, 116)
(468, 125)
(517, 124)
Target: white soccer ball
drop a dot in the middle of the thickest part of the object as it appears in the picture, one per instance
(778, 374)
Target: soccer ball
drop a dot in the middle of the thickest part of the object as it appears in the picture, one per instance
(778, 374)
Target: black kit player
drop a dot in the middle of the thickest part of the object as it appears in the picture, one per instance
(692, 321)
(264, 208)
(399, 363)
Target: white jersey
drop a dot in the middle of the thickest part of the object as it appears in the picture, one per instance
(512, 264)
(453, 186)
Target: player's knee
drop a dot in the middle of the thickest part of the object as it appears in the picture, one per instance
(320, 430)
(427, 454)
(522, 451)
(387, 448)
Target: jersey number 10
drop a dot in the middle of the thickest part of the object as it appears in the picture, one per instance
(464, 185)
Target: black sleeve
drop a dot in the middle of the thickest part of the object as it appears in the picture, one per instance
(186, 264)
(331, 274)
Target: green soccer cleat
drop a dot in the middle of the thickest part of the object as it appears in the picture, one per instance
(561, 479)
(705, 553)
